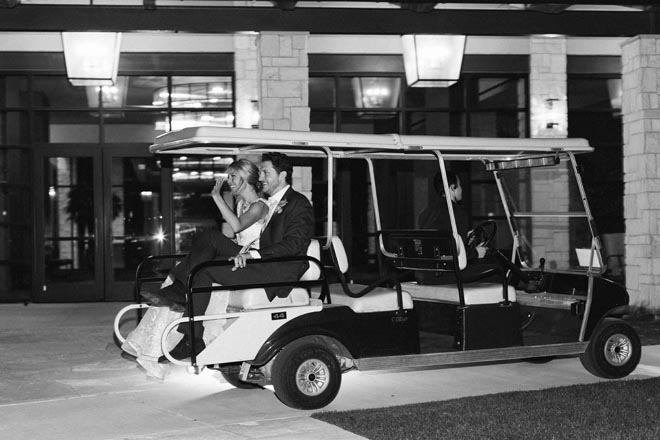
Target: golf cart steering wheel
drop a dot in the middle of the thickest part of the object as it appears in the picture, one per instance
(482, 234)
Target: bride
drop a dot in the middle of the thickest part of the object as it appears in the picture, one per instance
(246, 225)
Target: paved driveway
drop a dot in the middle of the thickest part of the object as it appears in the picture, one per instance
(62, 377)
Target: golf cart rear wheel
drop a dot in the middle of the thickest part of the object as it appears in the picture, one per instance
(306, 376)
(613, 351)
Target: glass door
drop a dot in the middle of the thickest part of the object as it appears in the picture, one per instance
(133, 207)
(68, 239)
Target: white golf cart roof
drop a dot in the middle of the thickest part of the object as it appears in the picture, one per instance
(211, 140)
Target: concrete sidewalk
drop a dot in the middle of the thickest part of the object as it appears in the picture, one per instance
(62, 377)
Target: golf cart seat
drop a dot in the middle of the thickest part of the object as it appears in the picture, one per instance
(359, 297)
(254, 299)
(435, 251)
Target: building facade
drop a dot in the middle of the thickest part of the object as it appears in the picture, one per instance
(83, 202)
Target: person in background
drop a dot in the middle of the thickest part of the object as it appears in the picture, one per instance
(436, 216)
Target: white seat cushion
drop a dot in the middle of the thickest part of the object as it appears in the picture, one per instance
(253, 299)
(475, 293)
(380, 299)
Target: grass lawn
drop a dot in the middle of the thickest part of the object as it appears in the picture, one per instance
(623, 409)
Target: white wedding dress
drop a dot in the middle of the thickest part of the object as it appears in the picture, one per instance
(144, 342)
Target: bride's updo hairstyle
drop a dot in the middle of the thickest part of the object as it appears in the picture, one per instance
(248, 171)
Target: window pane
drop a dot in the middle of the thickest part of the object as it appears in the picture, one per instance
(427, 97)
(146, 91)
(430, 123)
(197, 92)
(57, 92)
(370, 122)
(15, 225)
(594, 93)
(603, 127)
(133, 126)
(322, 121)
(321, 92)
(15, 166)
(490, 93)
(498, 124)
(14, 128)
(194, 119)
(369, 92)
(71, 127)
(13, 91)
(137, 230)
(69, 222)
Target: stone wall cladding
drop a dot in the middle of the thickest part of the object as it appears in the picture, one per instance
(284, 80)
(640, 60)
(547, 81)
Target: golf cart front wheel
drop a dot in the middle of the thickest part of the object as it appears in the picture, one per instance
(613, 351)
(306, 376)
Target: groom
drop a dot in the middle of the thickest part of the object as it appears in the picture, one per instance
(288, 231)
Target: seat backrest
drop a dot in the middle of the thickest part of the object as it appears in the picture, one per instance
(341, 259)
(313, 272)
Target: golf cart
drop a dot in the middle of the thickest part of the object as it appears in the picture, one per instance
(542, 294)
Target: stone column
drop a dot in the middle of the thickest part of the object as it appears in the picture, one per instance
(640, 58)
(549, 119)
(284, 81)
(246, 82)
(284, 90)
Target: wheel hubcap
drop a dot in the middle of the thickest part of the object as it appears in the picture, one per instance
(618, 349)
(312, 377)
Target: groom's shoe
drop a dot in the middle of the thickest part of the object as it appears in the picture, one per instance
(172, 296)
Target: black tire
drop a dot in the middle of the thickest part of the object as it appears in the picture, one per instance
(614, 350)
(306, 376)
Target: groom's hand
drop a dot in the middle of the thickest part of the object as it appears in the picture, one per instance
(240, 260)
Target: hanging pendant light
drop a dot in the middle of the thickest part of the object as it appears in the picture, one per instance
(92, 58)
(432, 60)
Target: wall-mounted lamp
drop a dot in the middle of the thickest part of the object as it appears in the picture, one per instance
(91, 58)
(255, 116)
(549, 115)
(433, 60)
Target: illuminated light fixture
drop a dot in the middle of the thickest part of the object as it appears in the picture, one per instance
(92, 58)
(111, 97)
(376, 92)
(615, 91)
(433, 60)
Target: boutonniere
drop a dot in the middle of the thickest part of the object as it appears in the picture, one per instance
(282, 203)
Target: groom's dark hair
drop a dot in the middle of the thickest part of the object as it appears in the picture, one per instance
(281, 162)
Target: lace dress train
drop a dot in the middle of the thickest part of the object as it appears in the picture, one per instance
(144, 342)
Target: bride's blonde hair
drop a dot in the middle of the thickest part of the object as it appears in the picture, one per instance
(248, 171)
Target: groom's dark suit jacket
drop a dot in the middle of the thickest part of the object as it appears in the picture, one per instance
(288, 233)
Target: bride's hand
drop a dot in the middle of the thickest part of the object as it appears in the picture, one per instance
(218, 186)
